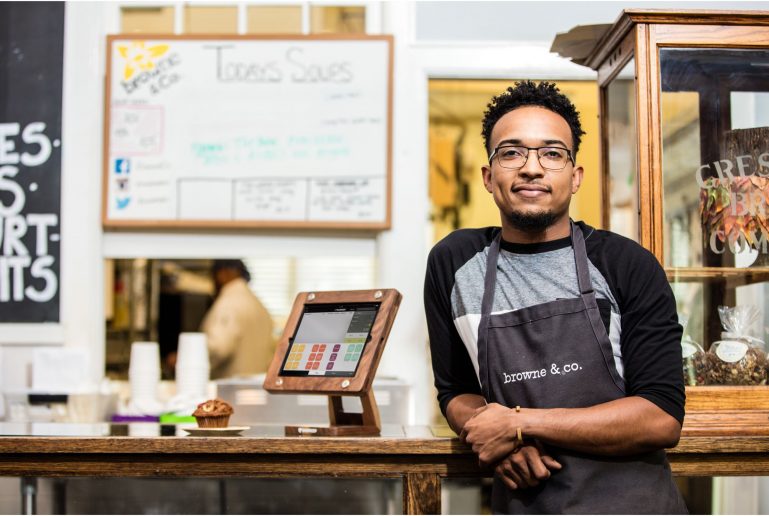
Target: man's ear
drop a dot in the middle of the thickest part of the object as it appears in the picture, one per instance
(576, 179)
(486, 174)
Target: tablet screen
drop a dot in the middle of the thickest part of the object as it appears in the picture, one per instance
(329, 340)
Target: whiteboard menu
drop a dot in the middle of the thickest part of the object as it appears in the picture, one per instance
(250, 132)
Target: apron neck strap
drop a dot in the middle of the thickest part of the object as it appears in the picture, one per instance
(580, 258)
(490, 281)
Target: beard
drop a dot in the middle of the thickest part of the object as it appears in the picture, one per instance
(531, 222)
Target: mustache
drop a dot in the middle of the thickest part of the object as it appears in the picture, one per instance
(536, 184)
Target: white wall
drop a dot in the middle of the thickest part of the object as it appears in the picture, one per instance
(480, 20)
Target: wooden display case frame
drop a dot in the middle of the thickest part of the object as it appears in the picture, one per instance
(639, 34)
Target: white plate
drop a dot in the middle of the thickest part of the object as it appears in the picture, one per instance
(213, 432)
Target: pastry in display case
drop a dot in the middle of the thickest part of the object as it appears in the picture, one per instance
(695, 362)
(738, 358)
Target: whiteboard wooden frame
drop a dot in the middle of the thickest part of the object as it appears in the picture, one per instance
(244, 224)
(361, 382)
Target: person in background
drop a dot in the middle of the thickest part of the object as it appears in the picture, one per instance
(555, 345)
(237, 326)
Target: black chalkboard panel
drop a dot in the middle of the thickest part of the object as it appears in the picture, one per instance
(31, 59)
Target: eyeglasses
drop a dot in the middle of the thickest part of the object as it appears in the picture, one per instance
(516, 156)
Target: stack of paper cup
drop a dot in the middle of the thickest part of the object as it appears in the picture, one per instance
(144, 377)
(192, 365)
(144, 429)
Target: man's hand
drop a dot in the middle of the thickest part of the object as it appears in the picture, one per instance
(526, 467)
(624, 426)
(490, 432)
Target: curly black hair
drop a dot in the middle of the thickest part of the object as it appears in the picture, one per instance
(527, 93)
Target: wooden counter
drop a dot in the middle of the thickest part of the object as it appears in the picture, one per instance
(713, 444)
(412, 454)
(722, 443)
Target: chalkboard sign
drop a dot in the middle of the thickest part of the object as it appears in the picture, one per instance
(248, 132)
(31, 62)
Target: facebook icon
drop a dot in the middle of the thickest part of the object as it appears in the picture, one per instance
(122, 166)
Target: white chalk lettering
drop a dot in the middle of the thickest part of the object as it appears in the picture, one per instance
(12, 275)
(7, 156)
(27, 270)
(33, 135)
(41, 222)
(41, 269)
(15, 229)
(13, 187)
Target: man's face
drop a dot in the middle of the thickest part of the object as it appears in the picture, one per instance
(531, 192)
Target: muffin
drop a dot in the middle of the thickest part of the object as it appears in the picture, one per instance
(213, 414)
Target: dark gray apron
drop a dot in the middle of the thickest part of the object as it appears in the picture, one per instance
(558, 354)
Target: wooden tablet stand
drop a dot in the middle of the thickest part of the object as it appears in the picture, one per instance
(345, 423)
(359, 384)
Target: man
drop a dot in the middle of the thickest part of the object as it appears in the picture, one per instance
(238, 327)
(555, 346)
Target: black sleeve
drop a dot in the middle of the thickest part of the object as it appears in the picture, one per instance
(650, 333)
(453, 370)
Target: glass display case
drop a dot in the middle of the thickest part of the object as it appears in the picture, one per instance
(685, 155)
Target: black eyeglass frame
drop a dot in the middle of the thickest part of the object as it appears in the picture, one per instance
(529, 149)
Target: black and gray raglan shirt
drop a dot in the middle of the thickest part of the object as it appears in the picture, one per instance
(634, 298)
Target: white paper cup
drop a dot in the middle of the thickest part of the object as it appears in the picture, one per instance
(143, 429)
(144, 395)
(192, 381)
(144, 387)
(146, 377)
(192, 365)
(144, 372)
(192, 350)
(145, 356)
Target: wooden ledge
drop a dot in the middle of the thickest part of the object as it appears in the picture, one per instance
(747, 423)
(726, 398)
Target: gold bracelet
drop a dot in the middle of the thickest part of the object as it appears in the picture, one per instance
(518, 439)
(518, 432)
